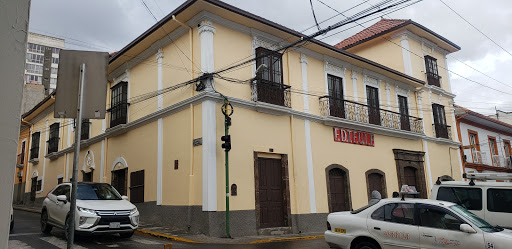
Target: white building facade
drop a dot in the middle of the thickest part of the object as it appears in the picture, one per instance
(486, 142)
(34, 66)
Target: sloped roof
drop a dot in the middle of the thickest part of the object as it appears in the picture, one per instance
(371, 32)
(482, 119)
(385, 26)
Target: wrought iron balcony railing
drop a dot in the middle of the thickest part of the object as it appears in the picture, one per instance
(271, 92)
(354, 111)
(53, 144)
(442, 131)
(433, 79)
(21, 160)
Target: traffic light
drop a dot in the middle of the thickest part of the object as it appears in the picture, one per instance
(227, 142)
(227, 121)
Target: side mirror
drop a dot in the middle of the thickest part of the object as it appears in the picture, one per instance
(124, 197)
(62, 198)
(467, 228)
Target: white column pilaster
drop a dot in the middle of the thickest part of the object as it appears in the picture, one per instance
(160, 128)
(209, 127)
(425, 144)
(388, 95)
(354, 85)
(307, 135)
(406, 55)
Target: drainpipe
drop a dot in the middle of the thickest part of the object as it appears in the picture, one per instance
(191, 173)
(190, 44)
(26, 161)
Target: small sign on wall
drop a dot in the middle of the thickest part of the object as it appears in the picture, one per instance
(353, 137)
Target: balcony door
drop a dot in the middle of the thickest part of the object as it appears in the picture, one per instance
(372, 97)
(270, 78)
(475, 147)
(336, 102)
(440, 121)
(405, 124)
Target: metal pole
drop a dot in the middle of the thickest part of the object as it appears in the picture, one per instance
(226, 128)
(76, 155)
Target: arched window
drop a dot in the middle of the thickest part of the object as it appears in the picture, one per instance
(338, 188)
(376, 180)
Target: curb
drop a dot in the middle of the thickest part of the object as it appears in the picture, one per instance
(166, 236)
(262, 241)
(32, 210)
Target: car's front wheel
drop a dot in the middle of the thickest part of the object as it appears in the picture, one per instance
(126, 235)
(45, 227)
(366, 245)
(66, 227)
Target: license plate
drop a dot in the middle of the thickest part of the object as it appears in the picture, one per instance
(339, 230)
(114, 225)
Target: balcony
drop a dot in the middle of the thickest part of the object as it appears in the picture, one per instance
(482, 162)
(53, 145)
(354, 111)
(442, 131)
(433, 79)
(20, 162)
(271, 92)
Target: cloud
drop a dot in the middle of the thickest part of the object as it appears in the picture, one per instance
(112, 24)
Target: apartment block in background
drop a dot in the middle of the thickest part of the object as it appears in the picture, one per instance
(41, 68)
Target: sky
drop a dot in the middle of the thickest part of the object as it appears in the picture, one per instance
(109, 25)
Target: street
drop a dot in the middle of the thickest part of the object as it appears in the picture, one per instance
(26, 235)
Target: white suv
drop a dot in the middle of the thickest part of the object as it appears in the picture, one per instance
(100, 209)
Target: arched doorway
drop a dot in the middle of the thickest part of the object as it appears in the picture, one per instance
(338, 189)
(119, 178)
(376, 180)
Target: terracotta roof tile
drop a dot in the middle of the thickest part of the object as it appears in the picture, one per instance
(368, 33)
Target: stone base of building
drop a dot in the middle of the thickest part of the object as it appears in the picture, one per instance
(37, 203)
(18, 193)
(192, 220)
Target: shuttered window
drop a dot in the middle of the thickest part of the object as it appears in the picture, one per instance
(137, 186)
(119, 104)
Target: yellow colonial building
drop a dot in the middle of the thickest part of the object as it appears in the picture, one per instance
(314, 129)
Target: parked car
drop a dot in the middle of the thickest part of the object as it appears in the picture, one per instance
(491, 201)
(413, 223)
(99, 209)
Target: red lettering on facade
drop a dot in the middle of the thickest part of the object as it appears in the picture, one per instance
(337, 134)
(353, 137)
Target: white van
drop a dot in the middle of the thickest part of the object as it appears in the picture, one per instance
(492, 201)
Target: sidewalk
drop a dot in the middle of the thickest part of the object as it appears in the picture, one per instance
(162, 232)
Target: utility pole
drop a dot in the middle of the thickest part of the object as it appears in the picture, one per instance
(76, 155)
(227, 110)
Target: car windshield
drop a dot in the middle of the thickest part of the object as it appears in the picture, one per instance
(97, 191)
(477, 221)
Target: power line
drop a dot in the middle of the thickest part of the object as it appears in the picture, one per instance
(358, 16)
(437, 65)
(314, 16)
(168, 36)
(476, 28)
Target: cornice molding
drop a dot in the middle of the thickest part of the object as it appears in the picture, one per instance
(404, 34)
(206, 26)
(153, 49)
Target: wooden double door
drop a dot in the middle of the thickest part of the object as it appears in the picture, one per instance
(271, 193)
